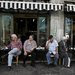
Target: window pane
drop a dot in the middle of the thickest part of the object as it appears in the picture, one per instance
(42, 24)
(7, 27)
(68, 24)
(42, 30)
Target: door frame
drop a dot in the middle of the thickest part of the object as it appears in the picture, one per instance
(35, 16)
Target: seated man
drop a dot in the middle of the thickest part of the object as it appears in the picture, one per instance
(16, 47)
(29, 47)
(52, 47)
(63, 52)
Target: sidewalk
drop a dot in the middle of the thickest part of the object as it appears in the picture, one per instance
(40, 69)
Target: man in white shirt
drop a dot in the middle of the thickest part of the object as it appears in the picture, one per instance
(52, 46)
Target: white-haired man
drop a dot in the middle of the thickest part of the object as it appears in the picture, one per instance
(15, 46)
(63, 52)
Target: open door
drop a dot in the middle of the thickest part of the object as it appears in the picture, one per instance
(25, 27)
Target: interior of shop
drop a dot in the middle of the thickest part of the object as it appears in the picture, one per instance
(25, 27)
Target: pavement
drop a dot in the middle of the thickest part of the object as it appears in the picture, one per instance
(40, 69)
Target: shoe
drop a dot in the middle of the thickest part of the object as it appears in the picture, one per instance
(33, 65)
(24, 65)
(49, 65)
(54, 65)
(66, 66)
(9, 68)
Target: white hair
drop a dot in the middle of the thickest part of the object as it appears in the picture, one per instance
(14, 35)
(64, 38)
(67, 36)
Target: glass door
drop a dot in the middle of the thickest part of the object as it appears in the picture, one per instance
(42, 31)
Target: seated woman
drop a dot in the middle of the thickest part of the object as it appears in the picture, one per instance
(16, 47)
(29, 47)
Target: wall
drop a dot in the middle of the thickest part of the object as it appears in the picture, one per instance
(57, 25)
(57, 22)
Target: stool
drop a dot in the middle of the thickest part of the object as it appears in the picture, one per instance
(52, 58)
(29, 55)
(60, 61)
(17, 60)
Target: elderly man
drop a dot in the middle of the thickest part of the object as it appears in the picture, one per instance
(52, 47)
(63, 52)
(15, 46)
(29, 47)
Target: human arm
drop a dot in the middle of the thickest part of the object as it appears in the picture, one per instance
(56, 44)
(47, 44)
(34, 46)
(24, 47)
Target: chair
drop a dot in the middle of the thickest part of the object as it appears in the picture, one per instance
(52, 58)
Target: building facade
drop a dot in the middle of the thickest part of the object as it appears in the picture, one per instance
(38, 17)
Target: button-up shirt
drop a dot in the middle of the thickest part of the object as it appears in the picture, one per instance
(29, 45)
(53, 46)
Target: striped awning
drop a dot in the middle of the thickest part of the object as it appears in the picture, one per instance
(71, 7)
(30, 5)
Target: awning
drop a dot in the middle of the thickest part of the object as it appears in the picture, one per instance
(30, 5)
(71, 7)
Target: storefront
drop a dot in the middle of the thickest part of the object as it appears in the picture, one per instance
(39, 19)
(25, 18)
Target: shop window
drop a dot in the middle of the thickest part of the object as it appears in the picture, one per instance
(68, 29)
(68, 23)
(7, 26)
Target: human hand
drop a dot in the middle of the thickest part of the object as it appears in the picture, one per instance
(25, 53)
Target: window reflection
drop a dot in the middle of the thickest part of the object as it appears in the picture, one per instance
(42, 27)
(7, 27)
(42, 24)
(68, 23)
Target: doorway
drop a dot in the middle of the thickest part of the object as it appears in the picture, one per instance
(25, 27)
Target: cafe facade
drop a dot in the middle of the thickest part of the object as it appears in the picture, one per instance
(41, 19)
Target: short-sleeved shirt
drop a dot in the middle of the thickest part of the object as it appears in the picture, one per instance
(53, 46)
(29, 45)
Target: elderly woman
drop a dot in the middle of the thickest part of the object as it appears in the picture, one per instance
(16, 47)
(29, 48)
